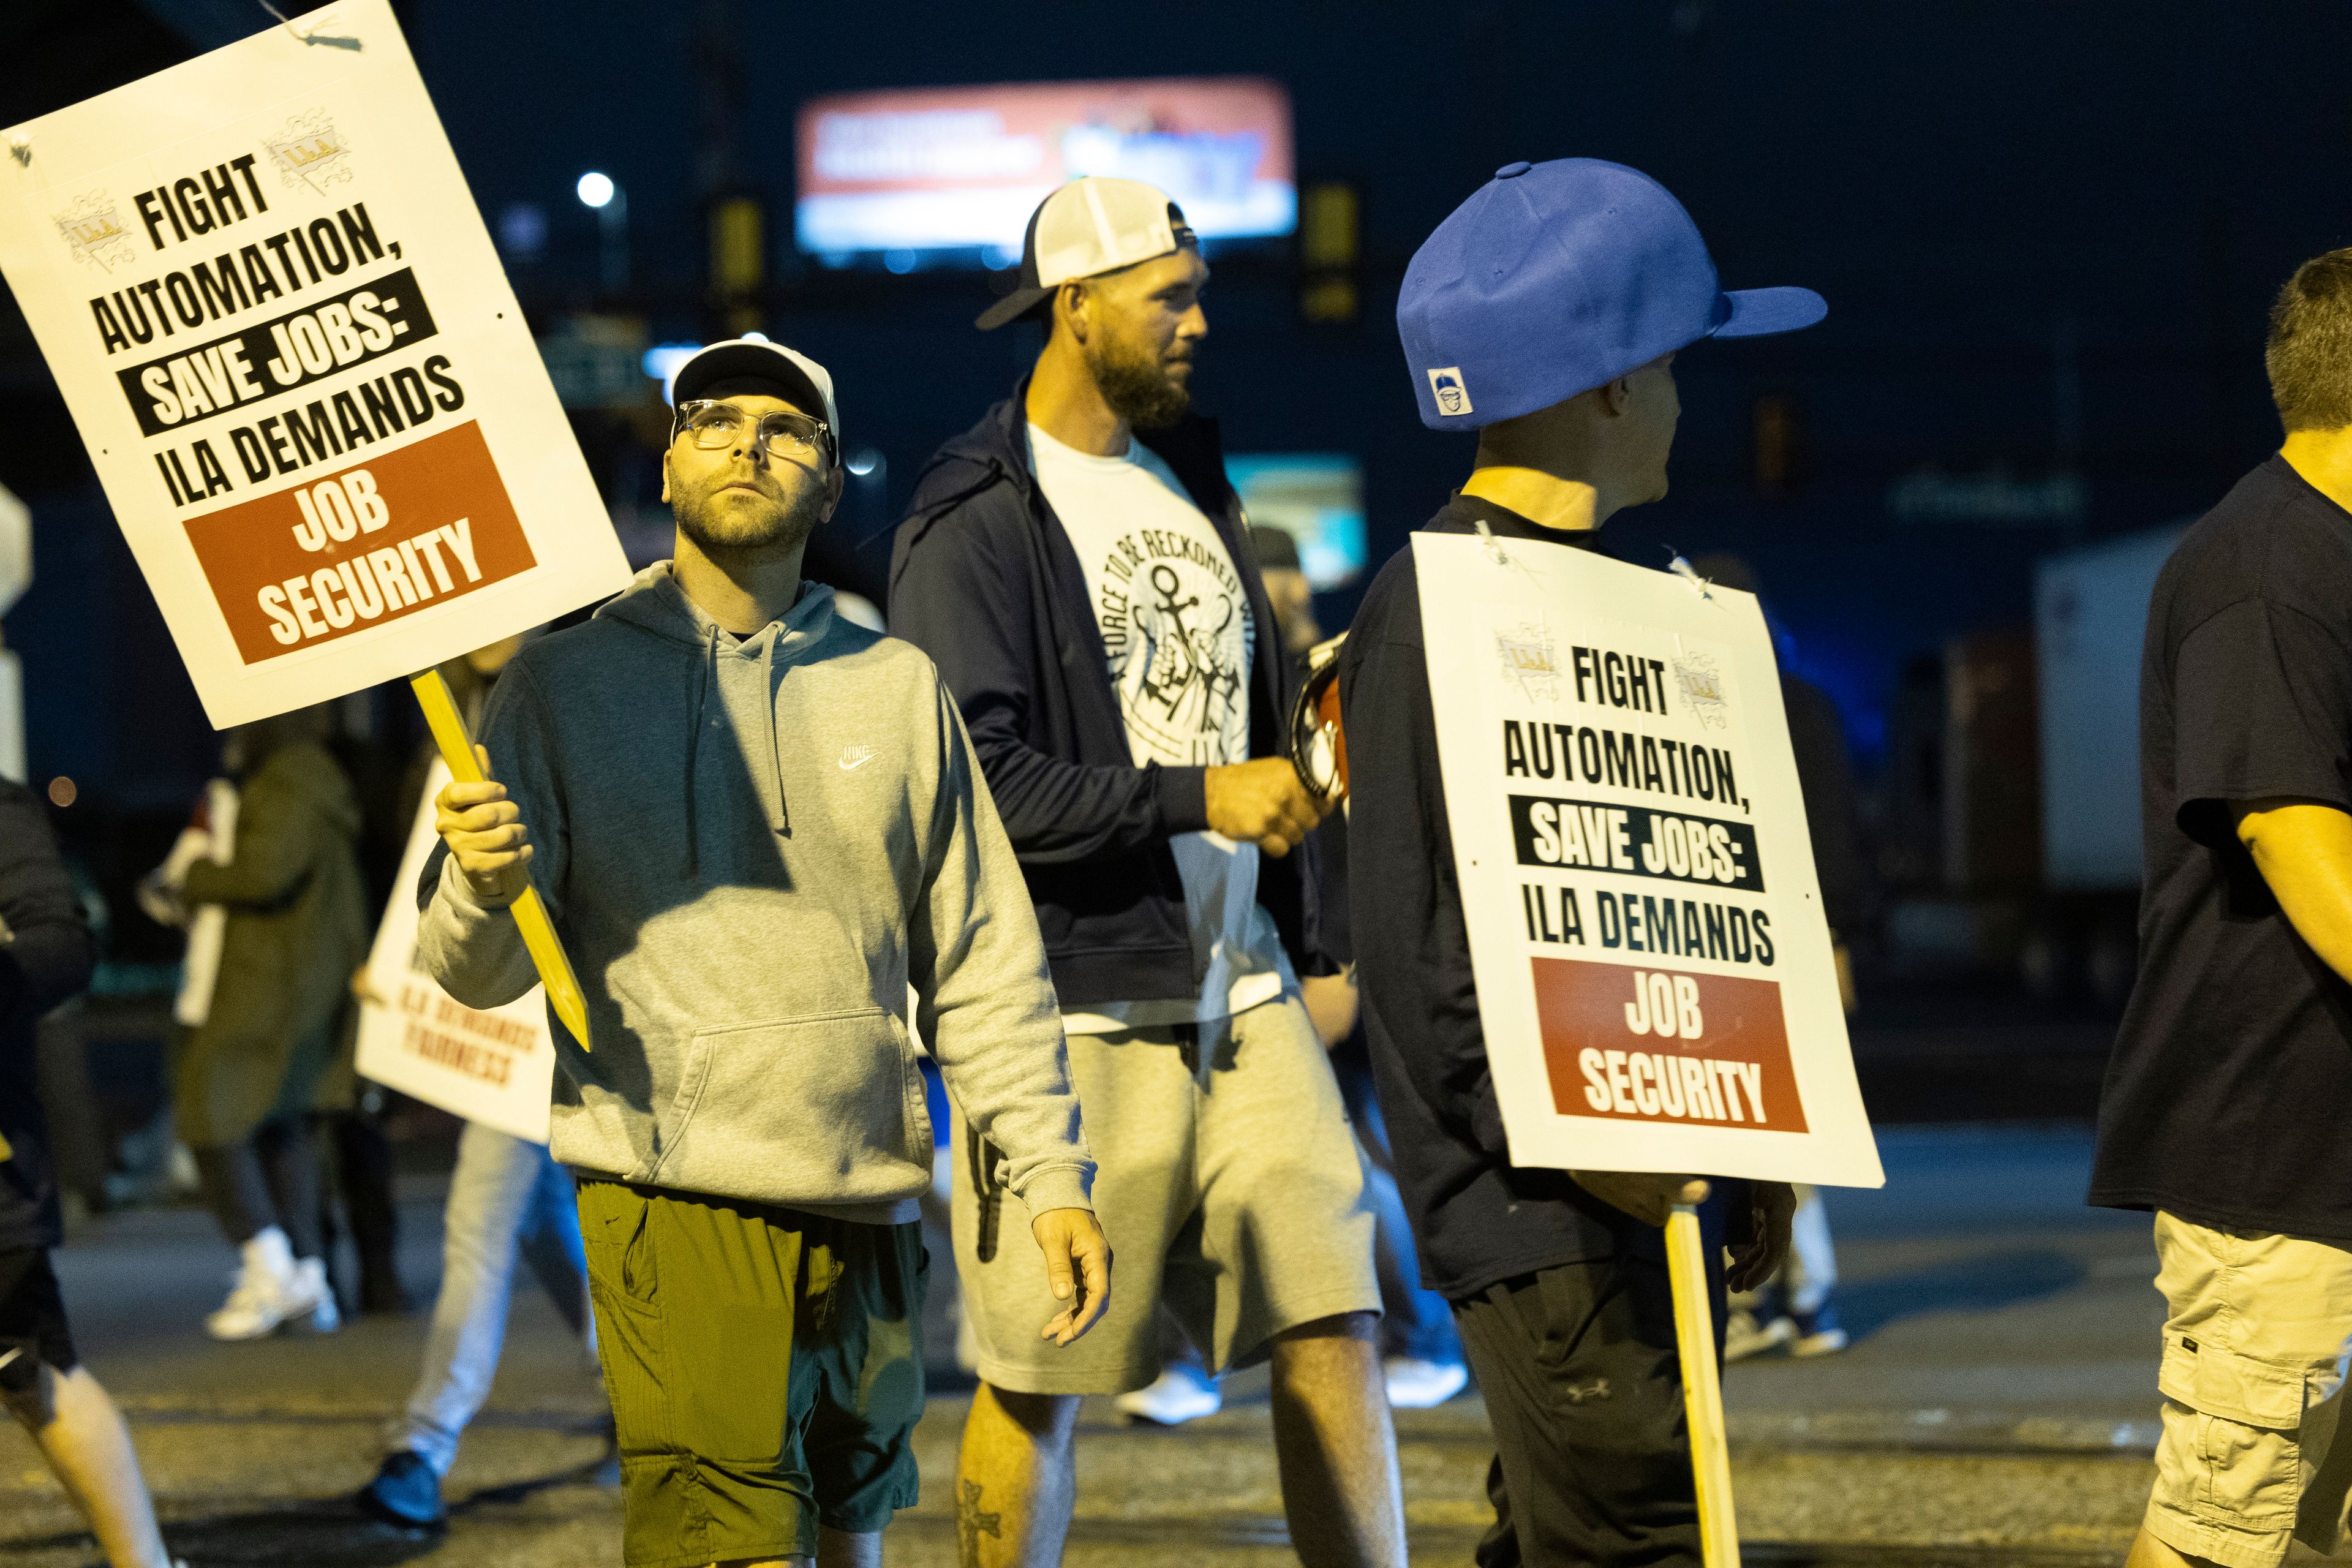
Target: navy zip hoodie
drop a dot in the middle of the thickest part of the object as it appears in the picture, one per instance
(984, 579)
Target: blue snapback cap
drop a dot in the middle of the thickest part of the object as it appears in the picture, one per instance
(1556, 278)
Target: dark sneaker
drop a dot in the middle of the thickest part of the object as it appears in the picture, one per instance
(405, 1493)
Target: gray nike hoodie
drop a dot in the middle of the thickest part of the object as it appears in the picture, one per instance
(751, 848)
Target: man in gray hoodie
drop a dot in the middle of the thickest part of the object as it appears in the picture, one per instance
(756, 825)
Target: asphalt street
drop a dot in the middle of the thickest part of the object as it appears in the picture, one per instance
(1997, 1408)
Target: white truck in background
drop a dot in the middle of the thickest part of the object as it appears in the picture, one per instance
(2089, 615)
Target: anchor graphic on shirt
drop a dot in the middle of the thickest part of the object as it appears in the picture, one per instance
(1176, 666)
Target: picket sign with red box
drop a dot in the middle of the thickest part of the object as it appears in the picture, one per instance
(1656, 977)
(318, 416)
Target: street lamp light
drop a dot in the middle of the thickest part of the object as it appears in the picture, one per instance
(600, 192)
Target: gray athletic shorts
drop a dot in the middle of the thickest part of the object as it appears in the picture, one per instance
(1228, 1181)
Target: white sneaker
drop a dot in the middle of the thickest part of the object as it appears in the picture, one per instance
(269, 1290)
(310, 1281)
(1744, 1336)
(1417, 1384)
(1179, 1395)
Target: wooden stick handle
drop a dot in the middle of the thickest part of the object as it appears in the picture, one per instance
(546, 949)
(1702, 1390)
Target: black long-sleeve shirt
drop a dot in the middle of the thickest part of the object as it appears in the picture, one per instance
(983, 579)
(1478, 1218)
(45, 958)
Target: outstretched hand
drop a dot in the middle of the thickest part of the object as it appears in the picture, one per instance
(1775, 1204)
(1078, 1266)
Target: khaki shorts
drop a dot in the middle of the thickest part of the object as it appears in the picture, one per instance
(1228, 1182)
(765, 1368)
(2256, 1332)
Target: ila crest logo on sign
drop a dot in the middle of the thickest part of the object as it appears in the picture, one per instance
(310, 152)
(1702, 688)
(1446, 386)
(94, 228)
(1526, 655)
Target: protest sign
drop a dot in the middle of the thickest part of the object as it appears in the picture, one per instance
(495, 1067)
(283, 333)
(1655, 979)
(1654, 972)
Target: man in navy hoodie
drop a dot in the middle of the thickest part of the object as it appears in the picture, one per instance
(1075, 563)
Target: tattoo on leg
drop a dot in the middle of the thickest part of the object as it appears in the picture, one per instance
(971, 1524)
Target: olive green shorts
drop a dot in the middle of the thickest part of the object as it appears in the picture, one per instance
(765, 1368)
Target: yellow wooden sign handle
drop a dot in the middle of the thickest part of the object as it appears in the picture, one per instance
(1702, 1391)
(539, 936)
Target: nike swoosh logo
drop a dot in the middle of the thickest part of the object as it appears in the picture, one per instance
(851, 761)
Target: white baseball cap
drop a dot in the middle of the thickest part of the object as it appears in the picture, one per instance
(1088, 227)
(739, 358)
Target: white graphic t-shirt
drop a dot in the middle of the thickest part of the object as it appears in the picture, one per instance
(1176, 627)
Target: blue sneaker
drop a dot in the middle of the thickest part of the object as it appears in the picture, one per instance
(405, 1493)
(1818, 1332)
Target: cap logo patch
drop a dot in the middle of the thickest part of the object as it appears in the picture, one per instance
(1453, 397)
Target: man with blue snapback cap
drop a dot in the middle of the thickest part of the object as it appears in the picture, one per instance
(1544, 314)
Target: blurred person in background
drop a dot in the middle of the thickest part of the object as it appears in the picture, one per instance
(45, 958)
(509, 1201)
(1421, 1361)
(2224, 1101)
(1075, 563)
(277, 1036)
(1797, 1306)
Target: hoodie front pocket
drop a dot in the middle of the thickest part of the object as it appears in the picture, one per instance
(802, 1109)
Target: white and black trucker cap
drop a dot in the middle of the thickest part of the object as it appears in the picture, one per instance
(1089, 227)
(808, 383)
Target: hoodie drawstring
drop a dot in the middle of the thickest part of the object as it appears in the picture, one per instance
(705, 671)
(781, 822)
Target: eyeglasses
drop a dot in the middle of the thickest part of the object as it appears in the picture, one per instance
(795, 437)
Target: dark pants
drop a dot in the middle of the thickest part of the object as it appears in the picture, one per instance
(1584, 1391)
(271, 1178)
(363, 1175)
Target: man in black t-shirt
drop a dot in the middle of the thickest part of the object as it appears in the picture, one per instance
(2225, 1102)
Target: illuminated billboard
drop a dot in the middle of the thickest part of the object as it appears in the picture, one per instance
(950, 175)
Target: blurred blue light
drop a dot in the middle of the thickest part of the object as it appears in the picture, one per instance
(662, 361)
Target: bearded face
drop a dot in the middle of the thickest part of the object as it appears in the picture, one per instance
(731, 499)
(737, 507)
(1142, 383)
(1143, 324)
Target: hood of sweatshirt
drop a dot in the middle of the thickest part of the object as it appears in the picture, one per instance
(753, 847)
(739, 674)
